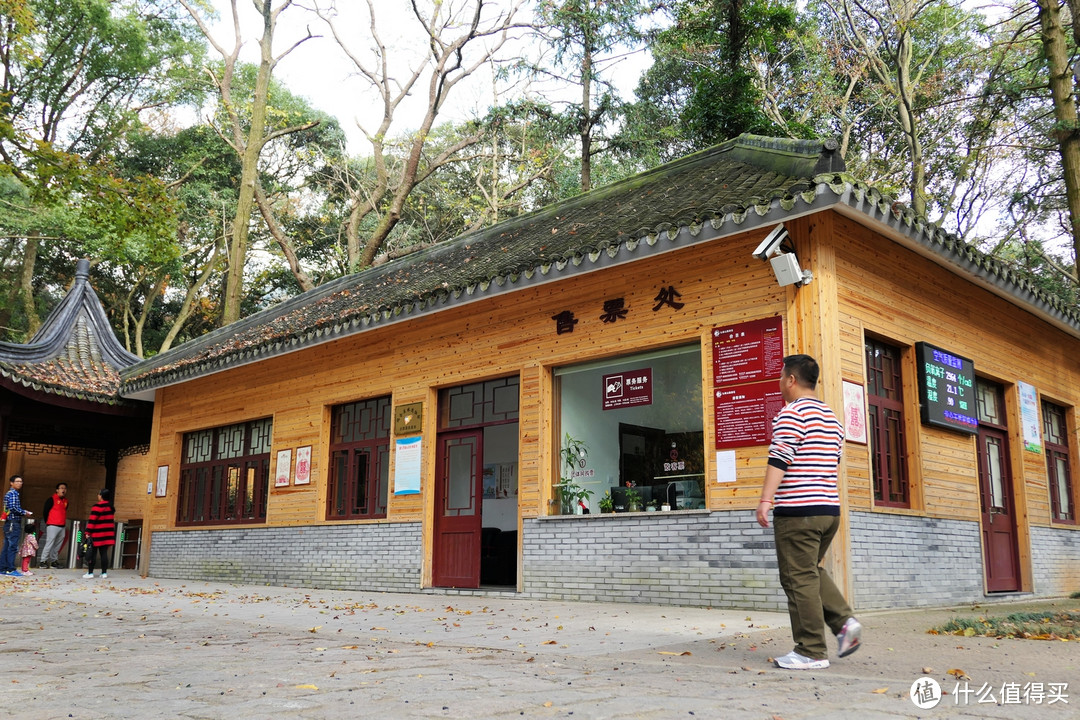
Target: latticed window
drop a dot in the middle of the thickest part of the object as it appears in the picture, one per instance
(225, 475)
(359, 460)
(1056, 439)
(885, 399)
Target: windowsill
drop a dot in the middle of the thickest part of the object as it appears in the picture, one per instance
(594, 516)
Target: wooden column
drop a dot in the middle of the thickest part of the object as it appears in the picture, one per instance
(815, 323)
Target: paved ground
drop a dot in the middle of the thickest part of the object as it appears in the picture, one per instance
(129, 647)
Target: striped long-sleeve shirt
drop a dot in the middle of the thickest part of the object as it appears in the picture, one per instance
(100, 526)
(807, 443)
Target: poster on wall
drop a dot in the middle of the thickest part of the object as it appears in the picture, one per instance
(491, 481)
(744, 413)
(627, 389)
(748, 351)
(854, 412)
(284, 460)
(946, 388)
(507, 480)
(407, 466)
(162, 480)
(303, 465)
(1029, 416)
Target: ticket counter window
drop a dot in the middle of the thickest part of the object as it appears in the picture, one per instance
(640, 420)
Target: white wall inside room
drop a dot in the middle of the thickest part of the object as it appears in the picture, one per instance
(500, 449)
(676, 407)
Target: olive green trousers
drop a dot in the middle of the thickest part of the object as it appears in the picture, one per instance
(813, 599)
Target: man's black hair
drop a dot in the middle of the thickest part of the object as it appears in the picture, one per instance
(803, 368)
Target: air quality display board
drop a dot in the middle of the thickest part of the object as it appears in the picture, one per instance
(946, 389)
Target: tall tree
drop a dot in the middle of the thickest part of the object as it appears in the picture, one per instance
(1066, 132)
(590, 38)
(447, 43)
(76, 76)
(702, 87)
(246, 129)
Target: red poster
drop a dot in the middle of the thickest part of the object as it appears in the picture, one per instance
(626, 389)
(748, 352)
(744, 414)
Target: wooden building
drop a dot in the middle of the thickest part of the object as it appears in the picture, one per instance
(62, 418)
(402, 429)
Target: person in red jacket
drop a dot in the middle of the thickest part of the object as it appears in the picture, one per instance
(101, 529)
(55, 517)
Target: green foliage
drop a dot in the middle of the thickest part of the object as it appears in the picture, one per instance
(701, 88)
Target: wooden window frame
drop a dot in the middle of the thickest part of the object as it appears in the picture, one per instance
(1054, 451)
(204, 489)
(880, 410)
(369, 455)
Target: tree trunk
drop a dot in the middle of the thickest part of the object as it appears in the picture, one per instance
(1061, 92)
(234, 283)
(586, 121)
(26, 287)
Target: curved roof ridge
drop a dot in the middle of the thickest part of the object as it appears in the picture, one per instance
(74, 353)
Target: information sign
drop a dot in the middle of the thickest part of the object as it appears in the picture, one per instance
(744, 413)
(946, 389)
(748, 351)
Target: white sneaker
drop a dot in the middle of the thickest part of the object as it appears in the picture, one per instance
(104, 575)
(88, 576)
(795, 661)
(847, 640)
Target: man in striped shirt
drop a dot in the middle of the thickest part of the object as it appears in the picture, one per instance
(800, 487)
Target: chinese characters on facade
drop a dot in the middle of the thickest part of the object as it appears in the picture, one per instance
(615, 309)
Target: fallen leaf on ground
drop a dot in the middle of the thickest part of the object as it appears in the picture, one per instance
(666, 652)
(880, 691)
(958, 674)
(927, 670)
(307, 687)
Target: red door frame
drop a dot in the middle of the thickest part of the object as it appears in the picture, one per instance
(456, 541)
(1000, 549)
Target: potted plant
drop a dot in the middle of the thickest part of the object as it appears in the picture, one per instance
(607, 504)
(633, 500)
(571, 494)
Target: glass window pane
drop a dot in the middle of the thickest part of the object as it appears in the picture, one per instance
(460, 466)
(654, 442)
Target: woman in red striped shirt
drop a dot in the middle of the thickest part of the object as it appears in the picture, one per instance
(101, 529)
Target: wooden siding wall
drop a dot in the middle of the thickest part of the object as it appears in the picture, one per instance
(512, 334)
(42, 470)
(901, 297)
(863, 284)
(132, 474)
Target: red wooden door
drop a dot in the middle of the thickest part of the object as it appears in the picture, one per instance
(998, 516)
(458, 494)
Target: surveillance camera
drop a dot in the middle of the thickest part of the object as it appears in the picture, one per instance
(771, 243)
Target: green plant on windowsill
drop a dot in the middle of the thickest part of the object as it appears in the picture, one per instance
(574, 454)
(607, 504)
(633, 500)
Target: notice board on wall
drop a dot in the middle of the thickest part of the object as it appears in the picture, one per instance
(744, 413)
(748, 351)
(748, 359)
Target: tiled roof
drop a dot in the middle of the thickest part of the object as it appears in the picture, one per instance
(741, 184)
(74, 354)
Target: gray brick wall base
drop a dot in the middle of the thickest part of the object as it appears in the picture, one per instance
(900, 561)
(1055, 560)
(720, 559)
(380, 557)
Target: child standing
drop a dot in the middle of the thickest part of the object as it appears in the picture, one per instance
(29, 547)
